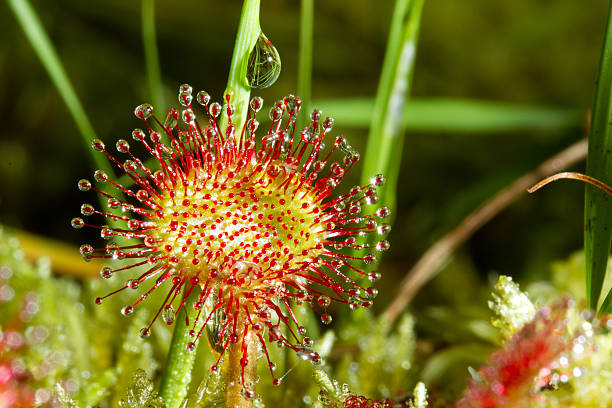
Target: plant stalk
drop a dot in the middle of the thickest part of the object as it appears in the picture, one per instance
(177, 371)
(237, 85)
(305, 60)
(234, 387)
(149, 43)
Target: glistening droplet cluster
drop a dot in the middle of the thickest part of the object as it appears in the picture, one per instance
(248, 222)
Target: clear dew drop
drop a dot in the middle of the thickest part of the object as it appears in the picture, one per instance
(77, 223)
(143, 111)
(138, 134)
(145, 332)
(87, 209)
(326, 319)
(215, 109)
(383, 212)
(256, 103)
(106, 272)
(97, 145)
(100, 176)
(383, 229)
(126, 310)
(122, 146)
(84, 185)
(169, 315)
(203, 98)
(382, 245)
(378, 180)
(184, 95)
(374, 276)
(264, 65)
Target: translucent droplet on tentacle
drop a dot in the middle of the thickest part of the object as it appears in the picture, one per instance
(203, 98)
(171, 119)
(77, 223)
(87, 209)
(97, 145)
(214, 328)
(143, 111)
(168, 314)
(264, 64)
(84, 185)
(184, 95)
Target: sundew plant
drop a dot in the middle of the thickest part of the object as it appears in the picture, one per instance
(242, 244)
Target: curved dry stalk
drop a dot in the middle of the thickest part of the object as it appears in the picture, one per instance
(569, 175)
(437, 255)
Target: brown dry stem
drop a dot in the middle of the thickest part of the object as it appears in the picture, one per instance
(438, 254)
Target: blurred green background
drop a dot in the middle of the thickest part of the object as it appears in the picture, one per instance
(541, 53)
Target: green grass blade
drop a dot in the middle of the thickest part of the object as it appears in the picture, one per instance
(39, 40)
(598, 207)
(386, 128)
(149, 43)
(305, 61)
(458, 115)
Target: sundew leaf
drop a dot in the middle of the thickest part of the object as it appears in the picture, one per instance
(598, 206)
(458, 115)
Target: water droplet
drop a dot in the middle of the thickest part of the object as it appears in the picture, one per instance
(84, 185)
(326, 319)
(100, 176)
(378, 180)
(382, 245)
(171, 119)
(122, 146)
(143, 111)
(138, 134)
(383, 212)
(106, 272)
(369, 259)
(324, 301)
(87, 209)
(169, 315)
(383, 229)
(184, 95)
(126, 310)
(264, 64)
(188, 116)
(85, 249)
(203, 98)
(256, 103)
(145, 332)
(97, 145)
(371, 293)
(77, 223)
(374, 276)
(215, 109)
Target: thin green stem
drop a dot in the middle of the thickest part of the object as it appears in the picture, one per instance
(179, 364)
(237, 85)
(305, 60)
(151, 54)
(39, 40)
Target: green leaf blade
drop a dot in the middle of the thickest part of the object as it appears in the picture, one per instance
(598, 206)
